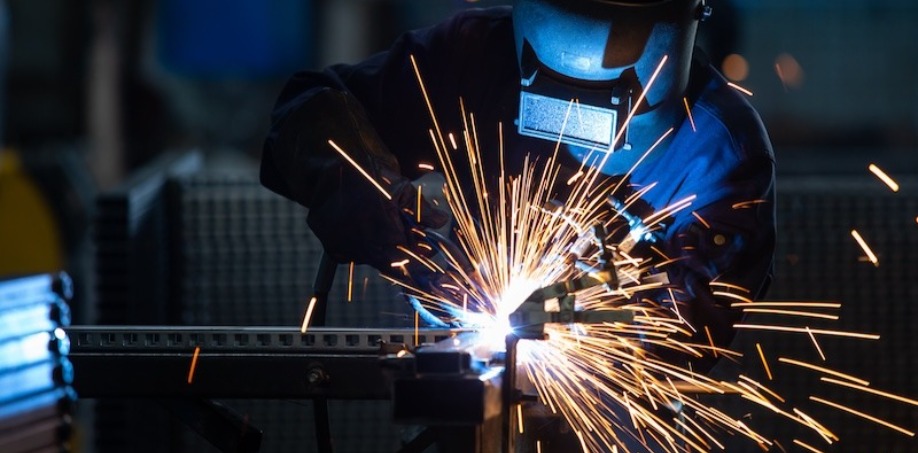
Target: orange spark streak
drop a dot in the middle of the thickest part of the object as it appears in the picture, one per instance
(744, 299)
(700, 219)
(837, 333)
(808, 447)
(781, 76)
(816, 343)
(823, 370)
(519, 416)
(883, 177)
(361, 170)
(790, 304)
(423, 166)
(763, 388)
(538, 446)
(194, 363)
(575, 177)
(452, 141)
(747, 204)
(399, 263)
(739, 88)
(420, 198)
(710, 340)
(350, 281)
(312, 304)
(416, 326)
(873, 258)
(789, 313)
(764, 362)
(870, 390)
(688, 110)
(864, 416)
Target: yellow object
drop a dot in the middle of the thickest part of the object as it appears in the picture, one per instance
(29, 236)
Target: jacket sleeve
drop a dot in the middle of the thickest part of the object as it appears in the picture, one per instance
(722, 246)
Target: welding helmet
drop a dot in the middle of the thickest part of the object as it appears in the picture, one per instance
(602, 53)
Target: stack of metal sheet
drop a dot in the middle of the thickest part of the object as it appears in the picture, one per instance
(35, 374)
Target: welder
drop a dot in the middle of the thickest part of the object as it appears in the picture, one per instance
(517, 70)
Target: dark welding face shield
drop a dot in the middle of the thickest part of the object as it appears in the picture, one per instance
(601, 53)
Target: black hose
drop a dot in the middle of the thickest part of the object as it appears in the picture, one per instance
(322, 287)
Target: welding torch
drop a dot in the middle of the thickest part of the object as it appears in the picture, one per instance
(529, 319)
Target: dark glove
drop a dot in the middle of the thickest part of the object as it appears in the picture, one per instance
(352, 218)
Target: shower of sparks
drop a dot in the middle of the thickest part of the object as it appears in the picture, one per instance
(893, 185)
(308, 316)
(870, 256)
(739, 88)
(194, 363)
(688, 111)
(609, 381)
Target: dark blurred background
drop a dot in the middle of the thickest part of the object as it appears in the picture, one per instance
(94, 91)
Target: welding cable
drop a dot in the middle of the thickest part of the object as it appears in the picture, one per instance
(325, 276)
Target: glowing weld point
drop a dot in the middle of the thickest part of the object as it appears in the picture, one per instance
(873, 258)
(688, 110)
(883, 177)
(739, 88)
(312, 304)
(194, 363)
(361, 170)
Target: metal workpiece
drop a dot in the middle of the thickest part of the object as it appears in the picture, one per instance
(528, 321)
(235, 362)
(454, 382)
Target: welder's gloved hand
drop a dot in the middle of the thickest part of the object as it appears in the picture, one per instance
(354, 220)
